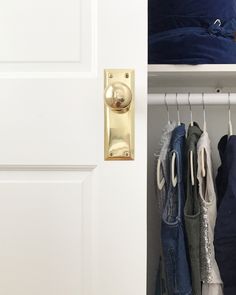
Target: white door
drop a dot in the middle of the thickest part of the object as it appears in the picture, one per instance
(70, 222)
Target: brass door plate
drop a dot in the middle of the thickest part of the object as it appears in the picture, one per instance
(119, 114)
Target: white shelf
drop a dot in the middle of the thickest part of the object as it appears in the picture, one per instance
(187, 78)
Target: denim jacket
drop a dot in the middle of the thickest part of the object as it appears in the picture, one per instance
(172, 228)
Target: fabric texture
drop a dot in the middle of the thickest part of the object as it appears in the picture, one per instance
(192, 32)
(172, 227)
(225, 230)
(210, 275)
(192, 209)
(222, 175)
(161, 288)
(162, 155)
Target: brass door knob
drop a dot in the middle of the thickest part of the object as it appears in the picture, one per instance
(118, 96)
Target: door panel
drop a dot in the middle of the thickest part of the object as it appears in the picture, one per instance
(45, 229)
(53, 33)
(70, 222)
(48, 36)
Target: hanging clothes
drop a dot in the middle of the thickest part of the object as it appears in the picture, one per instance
(222, 174)
(210, 275)
(225, 230)
(162, 156)
(192, 209)
(172, 227)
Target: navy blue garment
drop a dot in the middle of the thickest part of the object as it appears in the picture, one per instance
(172, 227)
(192, 32)
(225, 229)
(222, 174)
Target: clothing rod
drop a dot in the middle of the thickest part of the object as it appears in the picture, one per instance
(194, 98)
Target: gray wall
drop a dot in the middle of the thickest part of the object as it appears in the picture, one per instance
(217, 120)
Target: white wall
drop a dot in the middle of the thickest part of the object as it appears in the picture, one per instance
(217, 120)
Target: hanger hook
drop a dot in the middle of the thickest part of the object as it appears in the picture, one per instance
(230, 127)
(177, 105)
(229, 101)
(167, 108)
(190, 107)
(204, 112)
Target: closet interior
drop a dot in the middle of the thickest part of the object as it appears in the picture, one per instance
(209, 88)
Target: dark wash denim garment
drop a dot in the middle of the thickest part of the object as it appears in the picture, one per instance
(225, 229)
(172, 229)
(192, 209)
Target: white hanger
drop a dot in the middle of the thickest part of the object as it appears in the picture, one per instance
(204, 113)
(173, 159)
(173, 176)
(191, 152)
(191, 113)
(167, 109)
(161, 182)
(177, 105)
(202, 152)
(230, 127)
(191, 168)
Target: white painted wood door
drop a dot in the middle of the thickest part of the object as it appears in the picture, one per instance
(70, 223)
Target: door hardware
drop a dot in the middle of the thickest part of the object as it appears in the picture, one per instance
(119, 114)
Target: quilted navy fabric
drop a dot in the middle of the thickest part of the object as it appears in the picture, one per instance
(192, 32)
